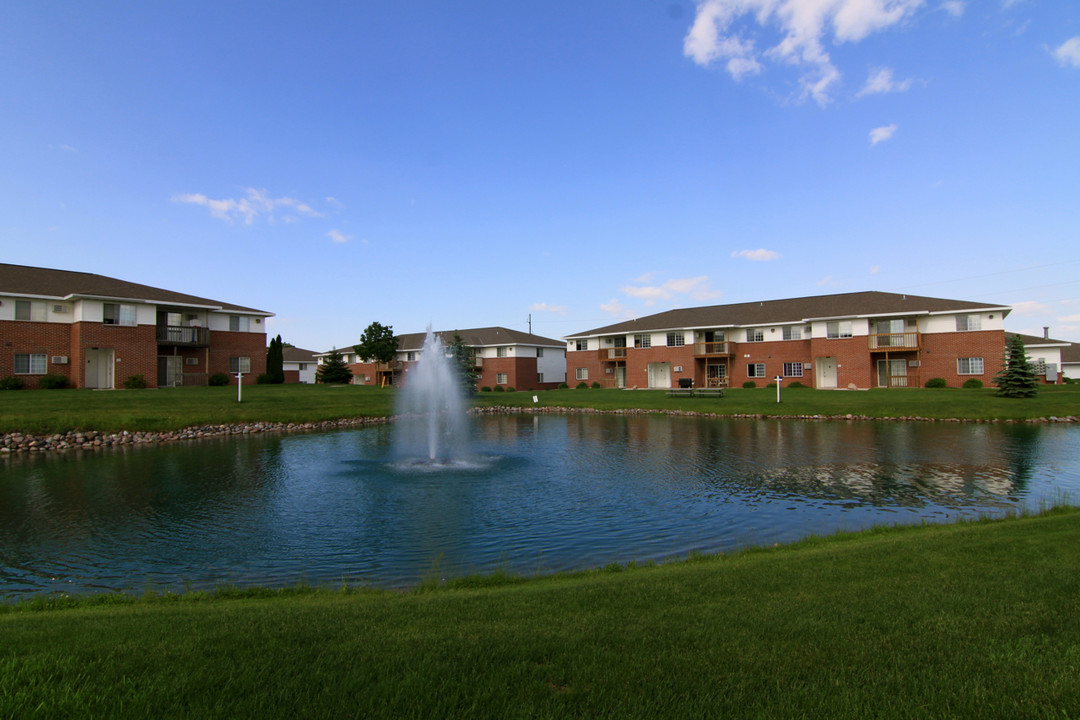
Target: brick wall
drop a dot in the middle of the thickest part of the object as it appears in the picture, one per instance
(18, 337)
(225, 344)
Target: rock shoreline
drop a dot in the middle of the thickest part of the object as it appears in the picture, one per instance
(19, 443)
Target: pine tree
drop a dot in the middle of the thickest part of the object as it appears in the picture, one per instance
(275, 361)
(464, 359)
(1017, 379)
(333, 370)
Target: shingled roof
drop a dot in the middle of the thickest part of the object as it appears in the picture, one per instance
(793, 310)
(25, 281)
(476, 337)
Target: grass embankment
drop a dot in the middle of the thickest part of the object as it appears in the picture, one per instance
(54, 411)
(970, 620)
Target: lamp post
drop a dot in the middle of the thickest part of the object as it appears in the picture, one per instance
(778, 380)
(239, 387)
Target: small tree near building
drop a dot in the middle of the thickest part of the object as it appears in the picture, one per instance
(377, 344)
(275, 362)
(464, 360)
(1017, 379)
(333, 370)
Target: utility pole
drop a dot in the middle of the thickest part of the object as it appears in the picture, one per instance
(530, 323)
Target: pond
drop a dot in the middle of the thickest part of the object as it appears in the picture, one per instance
(535, 494)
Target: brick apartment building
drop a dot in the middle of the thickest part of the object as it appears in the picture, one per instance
(97, 331)
(504, 357)
(858, 340)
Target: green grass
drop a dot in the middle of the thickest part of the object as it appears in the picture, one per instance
(970, 620)
(52, 411)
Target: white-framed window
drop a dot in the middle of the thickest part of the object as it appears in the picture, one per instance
(539, 352)
(643, 340)
(792, 333)
(239, 323)
(117, 314)
(755, 335)
(30, 310)
(582, 345)
(301, 366)
(676, 339)
(502, 352)
(969, 366)
(838, 329)
(539, 377)
(239, 365)
(191, 361)
(31, 363)
(755, 370)
(410, 356)
(583, 373)
(964, 323)
(793, 369)
(500, 378)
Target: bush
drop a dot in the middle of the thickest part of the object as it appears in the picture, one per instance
(973, 384)
(12, 383)
(485, 389)
(771, 385)
(563, 386)
(581, 386)
(135, 382)
(510, 388)
(499, 388)
(749, 384)
(218, 379)
(936, 383)
(265, 379)
(596, 385)
(796, 384)
(53, 382)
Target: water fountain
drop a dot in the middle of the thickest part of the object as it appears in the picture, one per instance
(431, 425)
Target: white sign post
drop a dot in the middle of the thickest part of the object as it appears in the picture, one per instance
(778, 379)
(239, 387)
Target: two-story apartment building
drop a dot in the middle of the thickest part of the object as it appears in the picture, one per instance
(97, 331)
(501, 356)
(859, 340)
(1047, 356)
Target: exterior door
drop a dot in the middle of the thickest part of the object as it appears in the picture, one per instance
(826, 372)
(170, 371)
(99, 369)
(892, 373)
(659, 375)
(620, 376)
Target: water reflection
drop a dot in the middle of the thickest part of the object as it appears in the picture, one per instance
(544, 493)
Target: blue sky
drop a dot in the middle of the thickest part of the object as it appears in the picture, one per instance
(472, 164)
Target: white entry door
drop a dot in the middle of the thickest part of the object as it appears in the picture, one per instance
(826, 372)
(659, 375)
(99, 369)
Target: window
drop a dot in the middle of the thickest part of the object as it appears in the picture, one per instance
(502, 352)
(793, 369)
(755, 335)
(410, 356)
(302, 366)
(582, 344)
(583, 373)
(27, 310)
(539, 377)
(239, 323)
(642, 341)
(792, 333)
(115, 314)
(30, 364)
(969, 366)
(191, 361)
(240, 365)
(965, 323)
(676, 339)
(500, 378)
(755, 370)
(841, 329)
(539, 352)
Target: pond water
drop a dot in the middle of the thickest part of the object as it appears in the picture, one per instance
(537, 494)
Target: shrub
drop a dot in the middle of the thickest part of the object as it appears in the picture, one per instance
(12, 383)
(796, 384)
(218, 379)
(596, 385)
(973, 384)
(749, 384)
(135, 382)
(771, 385)
(510, 388)
(485, 389)
(53, 382)
(581, 386)
(936, 383)
(563, 386)
(499, 388)
(265, 379)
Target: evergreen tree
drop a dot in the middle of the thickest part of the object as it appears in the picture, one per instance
(464, 359)
(275, 361)
(1017, 379)
(333, 370)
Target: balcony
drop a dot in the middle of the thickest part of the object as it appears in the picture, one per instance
(187, 336)
(612, 354)
(393, 366)
(891, 342)
(711, 349)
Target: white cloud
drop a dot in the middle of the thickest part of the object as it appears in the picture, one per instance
(881, 134)
(875, 270)
(614, 307)
(881, 81)
(1030, 307)
(544, 307)
(696, 288)
(338, 236)
(335, 203)
(1069, 319)
(254, 204)
(1068, 53)
(803, 25)
(827, 280)
(759, 255)
(955, 8)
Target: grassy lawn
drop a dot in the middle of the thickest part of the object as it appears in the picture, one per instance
(969, 620)
(51, 411)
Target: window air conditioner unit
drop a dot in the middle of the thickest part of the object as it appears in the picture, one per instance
(59, 360)
(914, 363)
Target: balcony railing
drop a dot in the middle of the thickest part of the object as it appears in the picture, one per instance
(714, 348)
(894, 341)
(388, 367)
(177, 335)
(610, 354)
